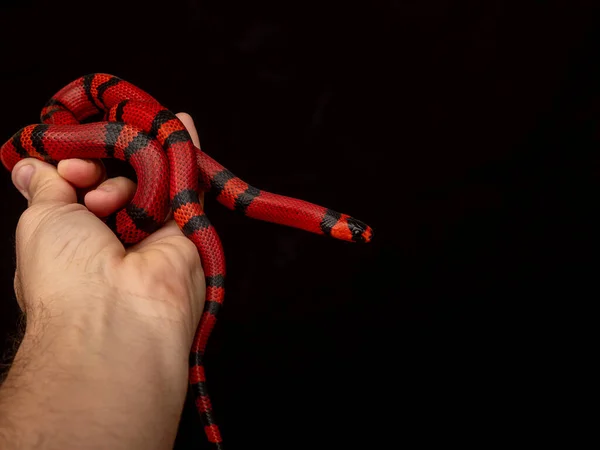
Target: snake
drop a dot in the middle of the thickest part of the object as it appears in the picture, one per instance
(101, 116)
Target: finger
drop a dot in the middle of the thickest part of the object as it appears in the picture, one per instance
(82, 173)
(189, 125)
(39, 182)
(110, 196)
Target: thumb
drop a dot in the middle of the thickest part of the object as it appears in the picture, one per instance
(39, 182)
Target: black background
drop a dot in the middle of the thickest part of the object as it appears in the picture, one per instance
(463, 132)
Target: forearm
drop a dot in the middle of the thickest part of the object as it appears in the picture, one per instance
(96, 379)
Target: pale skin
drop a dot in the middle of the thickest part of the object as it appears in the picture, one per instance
(103, 362)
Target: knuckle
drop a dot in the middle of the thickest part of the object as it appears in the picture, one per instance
(30, 220)
(41, 186)
(38, 217)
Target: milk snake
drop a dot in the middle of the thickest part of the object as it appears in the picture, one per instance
(171, 172)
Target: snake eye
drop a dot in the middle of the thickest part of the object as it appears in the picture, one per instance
(361, 232)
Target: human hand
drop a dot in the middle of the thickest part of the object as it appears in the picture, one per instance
(69, 262)
(104, 358)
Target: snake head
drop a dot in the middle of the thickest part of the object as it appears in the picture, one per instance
(350, 229)
(361, 232)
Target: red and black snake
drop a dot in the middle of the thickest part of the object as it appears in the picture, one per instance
(171, 171)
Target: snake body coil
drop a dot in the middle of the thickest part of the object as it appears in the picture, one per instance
(171, 171)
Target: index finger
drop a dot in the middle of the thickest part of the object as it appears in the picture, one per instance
(189, 125)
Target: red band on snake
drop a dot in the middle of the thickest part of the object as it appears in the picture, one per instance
(171, 172)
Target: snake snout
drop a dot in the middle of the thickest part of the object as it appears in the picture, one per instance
(361, 232)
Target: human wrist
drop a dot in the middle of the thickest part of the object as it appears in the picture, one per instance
(96, 306)
(106, 367)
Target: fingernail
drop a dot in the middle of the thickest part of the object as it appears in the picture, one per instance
(22, 178)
